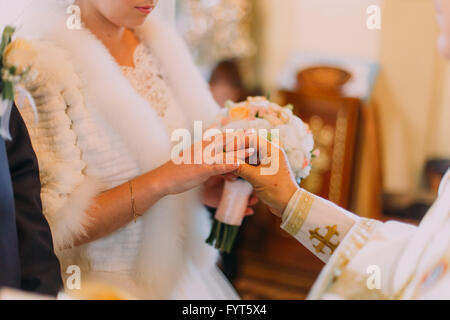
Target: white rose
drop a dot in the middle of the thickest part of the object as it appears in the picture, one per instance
(238, 125)
(258, 124)
(308, 143)
(296, 158)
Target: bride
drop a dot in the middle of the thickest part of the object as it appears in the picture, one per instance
(108, 97)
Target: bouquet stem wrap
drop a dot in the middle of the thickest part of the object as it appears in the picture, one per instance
(230, 214)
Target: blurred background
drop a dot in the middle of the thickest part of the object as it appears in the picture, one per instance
(377, 101)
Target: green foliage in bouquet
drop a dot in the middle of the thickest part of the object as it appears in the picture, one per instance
(6, 87)
(6, 40)
(223, 236)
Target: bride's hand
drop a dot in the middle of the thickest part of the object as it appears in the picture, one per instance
(175, 178)
(274, 190)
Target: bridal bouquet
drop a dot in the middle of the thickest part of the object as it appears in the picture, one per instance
(267, 119)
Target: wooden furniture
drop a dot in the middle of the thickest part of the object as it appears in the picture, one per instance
(333, 120)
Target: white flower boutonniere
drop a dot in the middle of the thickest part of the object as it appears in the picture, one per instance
(16, 60)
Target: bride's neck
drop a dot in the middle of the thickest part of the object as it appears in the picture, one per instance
(100, 26)
(119, 40)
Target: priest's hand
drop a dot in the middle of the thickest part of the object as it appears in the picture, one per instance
(274, 187)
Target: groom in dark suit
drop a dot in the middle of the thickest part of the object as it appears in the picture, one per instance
(27, 259)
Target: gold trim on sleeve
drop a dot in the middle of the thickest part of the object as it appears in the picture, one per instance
(299, 214)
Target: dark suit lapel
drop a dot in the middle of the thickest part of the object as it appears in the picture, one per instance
(9, 251)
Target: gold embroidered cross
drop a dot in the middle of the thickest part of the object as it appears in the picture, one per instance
(324, 241)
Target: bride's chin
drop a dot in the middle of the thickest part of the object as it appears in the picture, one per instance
(135, 23)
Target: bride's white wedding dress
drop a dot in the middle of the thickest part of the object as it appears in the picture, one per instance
(101, 125)
(148, 79)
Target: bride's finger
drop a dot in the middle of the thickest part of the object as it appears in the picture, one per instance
(235, 142)
(249, 212)
(235, 156)
(230, 177)
(253, 200)
(217, 147)
(228, 163)
(220, 141)
(212, 156)
(220, 169)
(251, 139)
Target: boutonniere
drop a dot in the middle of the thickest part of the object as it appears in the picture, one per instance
(16, 60)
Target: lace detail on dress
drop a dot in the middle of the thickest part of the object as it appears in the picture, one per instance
(147, 79)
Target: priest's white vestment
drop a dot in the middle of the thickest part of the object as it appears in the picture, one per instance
(368, 259)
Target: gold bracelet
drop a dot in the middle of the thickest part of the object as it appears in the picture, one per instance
(133, 202)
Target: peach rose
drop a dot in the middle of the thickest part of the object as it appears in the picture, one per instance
(239, 113)
(19, 54)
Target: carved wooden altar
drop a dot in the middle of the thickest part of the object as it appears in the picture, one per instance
(333, 120)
